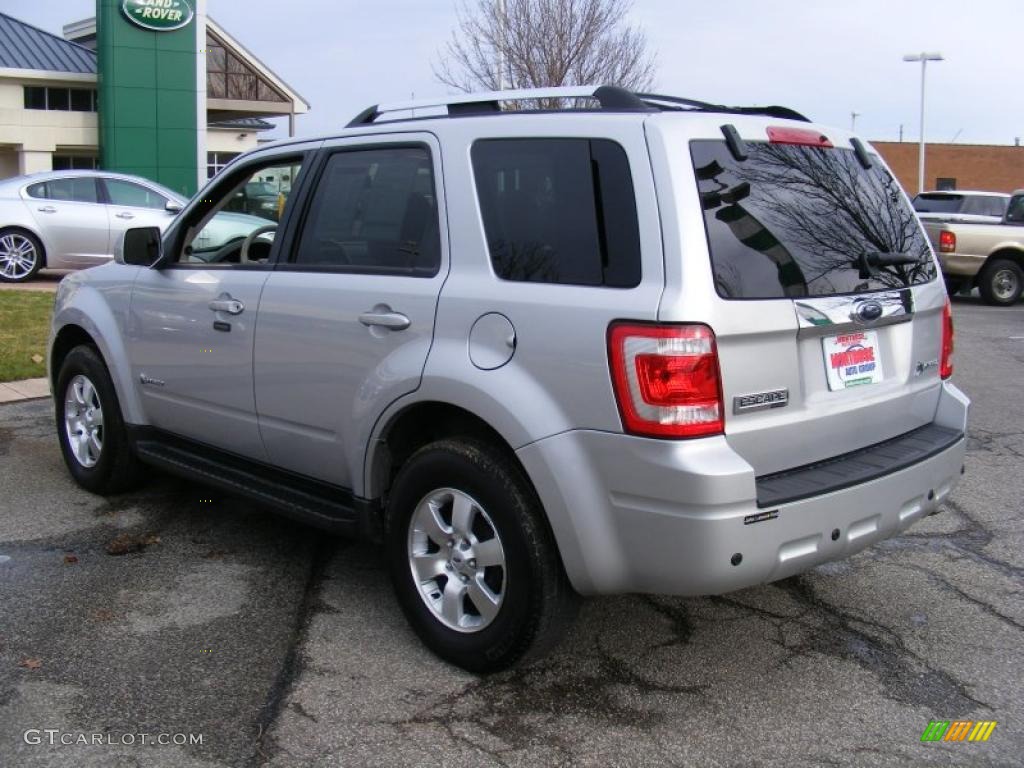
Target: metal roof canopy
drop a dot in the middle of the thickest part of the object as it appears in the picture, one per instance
(23, 46)
(610, 98)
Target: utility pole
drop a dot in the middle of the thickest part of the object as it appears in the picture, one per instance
(924, 58)
(501, 50)
(853, 121)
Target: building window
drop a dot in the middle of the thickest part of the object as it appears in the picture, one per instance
(61, 99)
(75, 163)
(230, 77)
(215, 162)
(945, 184)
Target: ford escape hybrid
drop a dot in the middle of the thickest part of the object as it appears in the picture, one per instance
(603, 342)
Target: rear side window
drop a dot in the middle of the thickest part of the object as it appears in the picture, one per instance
(986, 205)
(795, 220)
(75, 190)
(938, 202)
(558, 211)
(375, 211)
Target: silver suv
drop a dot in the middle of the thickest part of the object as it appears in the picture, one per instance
(603, 342)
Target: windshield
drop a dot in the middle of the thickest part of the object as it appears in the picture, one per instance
(805, 221)
(933, 203)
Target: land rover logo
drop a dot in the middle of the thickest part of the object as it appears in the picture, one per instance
(869, 311)
(158, 15)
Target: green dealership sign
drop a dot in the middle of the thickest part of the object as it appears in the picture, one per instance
(158, 15)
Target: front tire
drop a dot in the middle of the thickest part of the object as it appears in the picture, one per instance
(21, 256)
(472, 560)
(91, 431)
(1001, 282)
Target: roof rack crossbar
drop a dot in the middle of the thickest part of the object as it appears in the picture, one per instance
(610, 97)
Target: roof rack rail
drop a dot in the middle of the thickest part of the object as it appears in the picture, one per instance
(610, 97)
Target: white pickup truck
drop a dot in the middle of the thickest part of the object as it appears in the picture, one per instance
(987, 256)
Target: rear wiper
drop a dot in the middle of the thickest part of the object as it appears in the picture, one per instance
(870, 261)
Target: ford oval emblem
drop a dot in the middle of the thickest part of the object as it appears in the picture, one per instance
(869, 311)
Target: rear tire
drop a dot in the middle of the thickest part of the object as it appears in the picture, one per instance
(21, 255)
(91, 431)
(1001, 282)
(467, 520)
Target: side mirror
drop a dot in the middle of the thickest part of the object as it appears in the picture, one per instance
(141, 247)
(173, 207)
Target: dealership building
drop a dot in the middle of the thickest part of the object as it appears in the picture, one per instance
(151, 87)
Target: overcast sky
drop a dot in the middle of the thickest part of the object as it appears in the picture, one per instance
(825, 59)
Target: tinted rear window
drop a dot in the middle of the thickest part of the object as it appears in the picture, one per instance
(938, 203)
(559, 211)
(799, 221)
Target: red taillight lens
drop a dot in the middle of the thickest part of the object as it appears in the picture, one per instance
(666, 379)
(946, 361)
(947, 242)
(799, 136)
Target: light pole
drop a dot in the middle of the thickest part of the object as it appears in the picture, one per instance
(853, 121)
(924, 58)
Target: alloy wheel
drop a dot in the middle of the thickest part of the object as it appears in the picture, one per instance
(18, 256)
(83, 421)
(457, 560)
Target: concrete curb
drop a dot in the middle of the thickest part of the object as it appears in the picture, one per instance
(26, 389)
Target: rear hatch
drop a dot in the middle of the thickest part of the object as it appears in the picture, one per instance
(826, 306)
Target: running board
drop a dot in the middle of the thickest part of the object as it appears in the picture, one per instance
(328, 507)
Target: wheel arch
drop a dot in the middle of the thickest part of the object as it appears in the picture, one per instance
(1009, 252)
(87, 319)
(419, 423)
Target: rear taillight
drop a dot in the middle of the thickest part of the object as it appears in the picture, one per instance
(666, 379)
(947, 242)
(798, 136)
(946, 361)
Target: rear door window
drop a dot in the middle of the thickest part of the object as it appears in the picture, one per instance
(125, 193)
(74, 190)
(985, 205)
(795, 220)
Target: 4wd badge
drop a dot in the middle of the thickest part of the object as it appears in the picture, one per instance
(158, 15)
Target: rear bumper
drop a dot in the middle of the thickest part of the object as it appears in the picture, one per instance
(638, 515)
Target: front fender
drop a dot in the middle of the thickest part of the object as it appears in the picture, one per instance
(97, 301)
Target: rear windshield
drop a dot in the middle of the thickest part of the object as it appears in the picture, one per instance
(805, 221)
(933, 203)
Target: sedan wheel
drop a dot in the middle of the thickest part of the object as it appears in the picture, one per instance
(19, 257)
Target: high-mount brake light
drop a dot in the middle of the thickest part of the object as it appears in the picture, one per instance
(799, 136)
(946, 360)
(666, 379)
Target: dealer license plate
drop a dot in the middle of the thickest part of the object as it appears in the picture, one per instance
(852, 359)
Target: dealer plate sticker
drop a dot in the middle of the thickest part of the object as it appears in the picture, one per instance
(852, 359)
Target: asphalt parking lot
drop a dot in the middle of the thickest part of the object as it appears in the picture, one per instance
(283, 647)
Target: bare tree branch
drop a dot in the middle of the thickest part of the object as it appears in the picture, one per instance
(545, 43)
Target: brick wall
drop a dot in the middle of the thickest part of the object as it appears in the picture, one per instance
(994, 168)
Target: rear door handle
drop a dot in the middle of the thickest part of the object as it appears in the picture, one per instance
(385, 318)
(125, 215)
(227, 304)
(48, 209)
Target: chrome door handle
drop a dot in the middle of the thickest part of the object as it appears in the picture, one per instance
(48, 209)
(231, 306)
(125, 215)
(394, 321)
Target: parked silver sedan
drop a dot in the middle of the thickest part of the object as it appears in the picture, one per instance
(74, 219)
